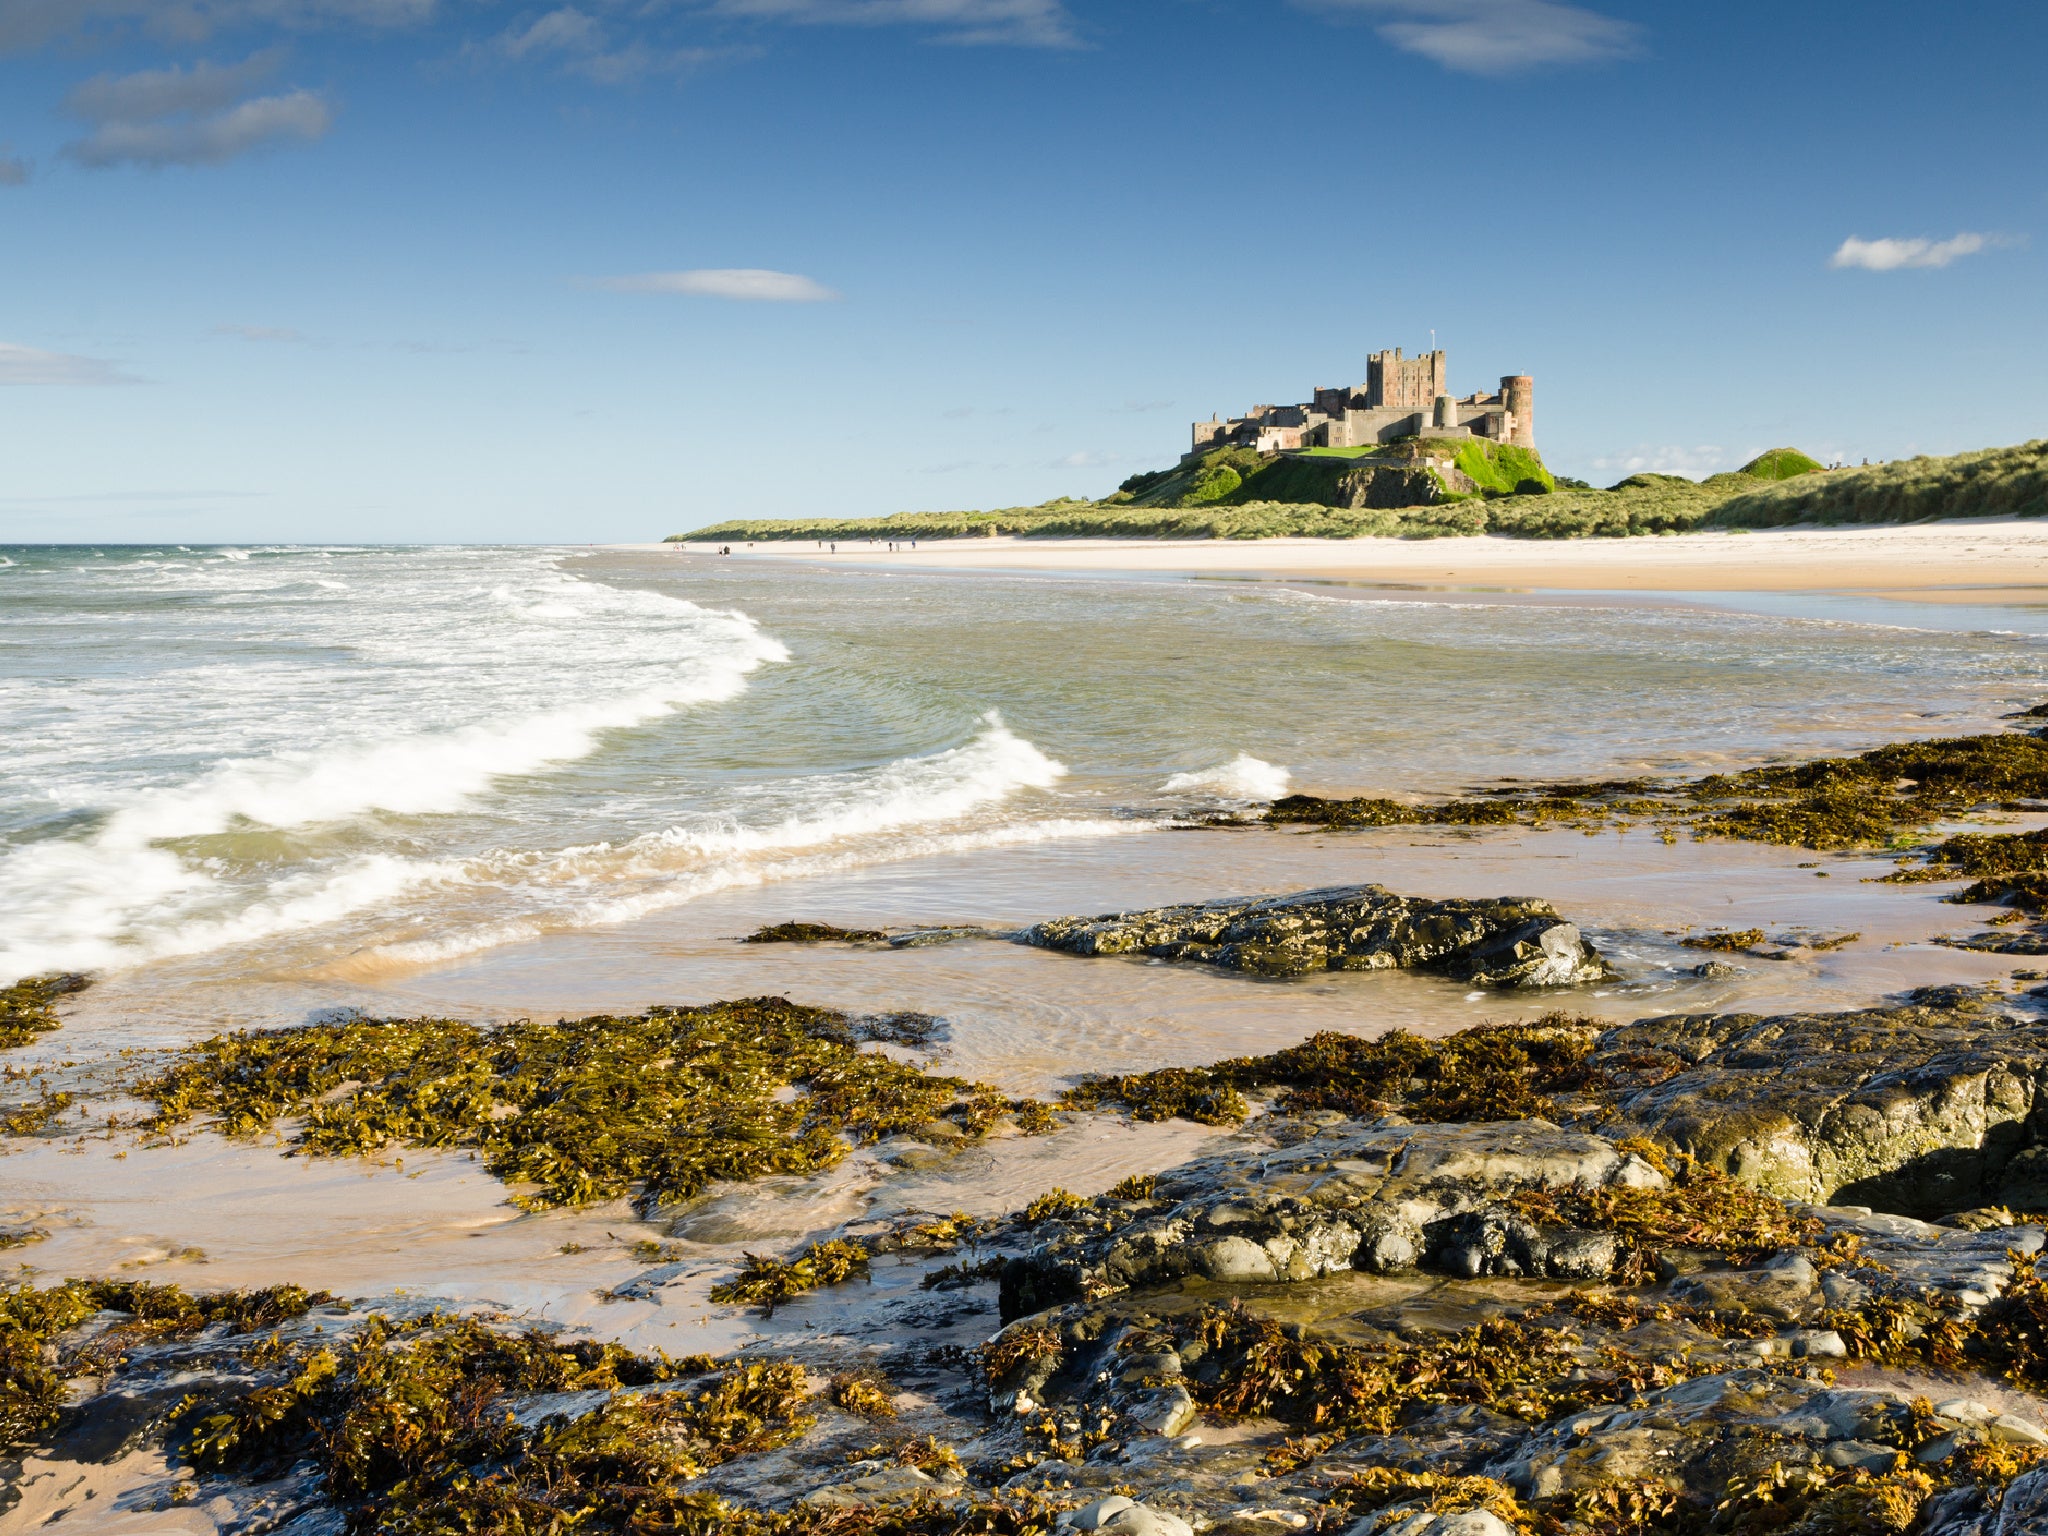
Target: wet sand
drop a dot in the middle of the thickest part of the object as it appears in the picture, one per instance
(1972, 560)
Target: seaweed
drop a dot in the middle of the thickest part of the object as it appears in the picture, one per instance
(813, 933)
(1492, 1072)
(2009, 867)
(1869, 799)
(1728, 943)
(31, 1383)
(1701, 1210)
(1054, 1202)
(28, 1008)
(864, 1394)
(1267, 1370)
(660, 1105)
(1014, 1346)
(766, 1283)
(409, 1425)
(35, 1116)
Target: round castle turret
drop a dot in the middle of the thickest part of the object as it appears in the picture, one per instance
(1518, 393)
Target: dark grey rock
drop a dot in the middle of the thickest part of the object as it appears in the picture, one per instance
(1503, 942)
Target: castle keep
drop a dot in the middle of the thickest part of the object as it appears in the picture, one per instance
(1401, 397)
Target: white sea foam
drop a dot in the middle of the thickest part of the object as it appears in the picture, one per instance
(1244, 777)
(332, 756)
(847, 821)
(731, 874)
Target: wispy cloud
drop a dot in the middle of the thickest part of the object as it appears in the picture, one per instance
(33, 23)
(14, 171)
(1695, 462)
(265, 333)
(1889, 255)
(28, 365)
(1497, 37)
(190, 115)
(984, 23)
(583, 45)
(753, 284)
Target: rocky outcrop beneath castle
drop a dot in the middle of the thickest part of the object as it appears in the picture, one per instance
(1396, 485)
(1921, 1109)
(1504, 942)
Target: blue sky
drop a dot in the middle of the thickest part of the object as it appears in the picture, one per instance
(478, 269)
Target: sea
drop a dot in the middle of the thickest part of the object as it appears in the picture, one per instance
(247, 787)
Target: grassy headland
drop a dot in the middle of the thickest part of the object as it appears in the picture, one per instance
(1404, 491)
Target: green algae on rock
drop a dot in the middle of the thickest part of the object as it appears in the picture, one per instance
(28, 1008)
(813, 933)
(660, 1105)
(1502, 942)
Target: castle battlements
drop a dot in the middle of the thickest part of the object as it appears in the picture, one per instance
(1401, 397)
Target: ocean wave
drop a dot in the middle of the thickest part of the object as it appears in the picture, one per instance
(143, 882)
(1244, 777)
(732, 875)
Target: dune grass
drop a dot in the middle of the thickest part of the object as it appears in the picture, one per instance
(1278, 498)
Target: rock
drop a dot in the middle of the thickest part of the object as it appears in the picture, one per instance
(1092, 1517)
(1381, 1198)
(1470, 1522)
(2013, 1430)
(1124, 1517)
(1818, 1344)
(2024, 1511)
(1920, 1109)
(1165, 1411)
(1783, 1289)
(1503, 942)
(1861, 1455)
(891, 1485)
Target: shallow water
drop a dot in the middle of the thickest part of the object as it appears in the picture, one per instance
(245, 786)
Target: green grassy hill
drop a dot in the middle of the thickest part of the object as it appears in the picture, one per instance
(1235, 494)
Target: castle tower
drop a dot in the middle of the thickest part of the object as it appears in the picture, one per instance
(1518, 393)
(1446, 414)
(1407, 384)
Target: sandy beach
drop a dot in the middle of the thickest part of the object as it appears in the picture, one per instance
(1979, 561)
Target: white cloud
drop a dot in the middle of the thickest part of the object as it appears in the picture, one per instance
(1497, 37)
(14, 171)
(999, 23)
(189, 115)
(1889, 255)
(27, 365)
(756, 284)
(267, 333)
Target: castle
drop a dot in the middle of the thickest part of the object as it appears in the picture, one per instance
(1401, 397)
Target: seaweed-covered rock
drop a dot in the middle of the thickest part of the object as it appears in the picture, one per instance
(1502, 941)
(1383, 1198)
(1922, 1110)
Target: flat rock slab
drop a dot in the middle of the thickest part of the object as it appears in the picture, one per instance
(1498, 942)
(1925, 1110)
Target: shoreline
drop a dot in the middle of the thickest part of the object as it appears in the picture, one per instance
(2000, 561)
